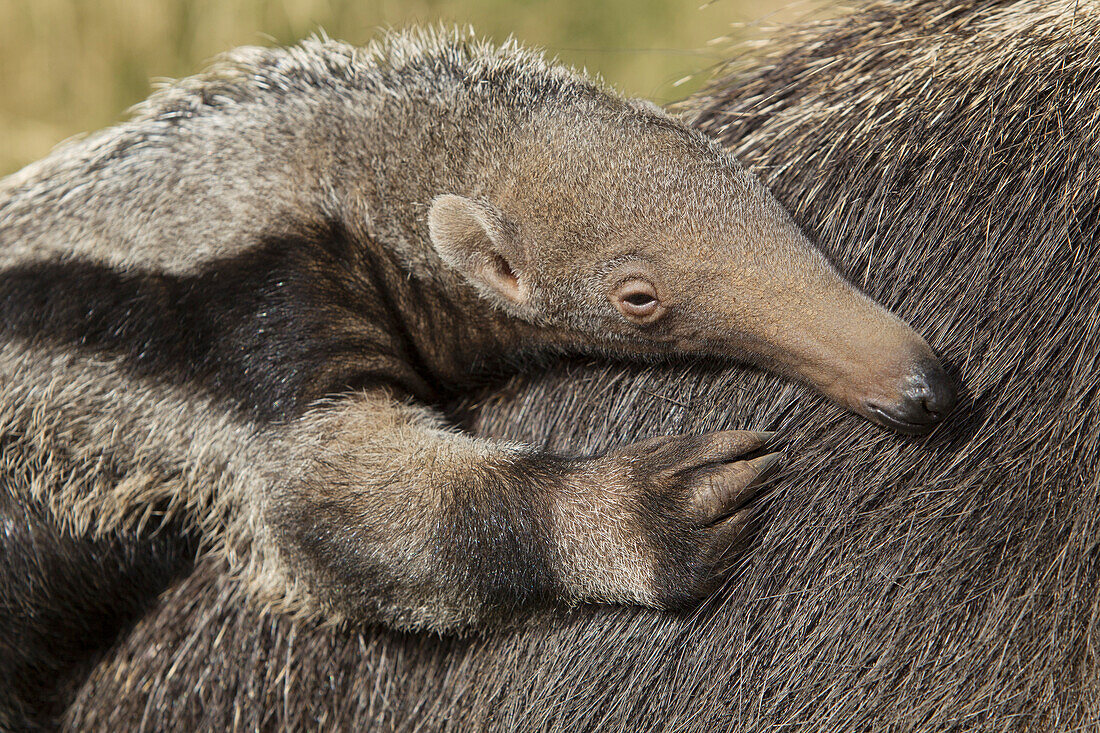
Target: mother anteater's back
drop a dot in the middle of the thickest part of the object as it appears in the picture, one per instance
(946, 153)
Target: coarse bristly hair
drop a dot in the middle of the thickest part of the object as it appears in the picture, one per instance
(945, 154)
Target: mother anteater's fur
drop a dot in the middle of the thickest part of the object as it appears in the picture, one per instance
(947, 154)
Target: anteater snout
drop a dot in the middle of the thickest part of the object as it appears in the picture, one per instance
(928, 396)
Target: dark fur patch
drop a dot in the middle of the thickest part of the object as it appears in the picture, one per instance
(64, 599)
(290, 321)
(499, 532)
(490, 548)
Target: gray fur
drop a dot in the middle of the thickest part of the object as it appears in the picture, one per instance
(944, 153)
(436, 208)
(239, 313)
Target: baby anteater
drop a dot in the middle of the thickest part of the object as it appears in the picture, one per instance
(237, 307)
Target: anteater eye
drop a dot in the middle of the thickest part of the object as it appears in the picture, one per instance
(637, 300)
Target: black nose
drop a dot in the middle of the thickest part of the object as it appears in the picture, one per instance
(932, 391)
(926, 398)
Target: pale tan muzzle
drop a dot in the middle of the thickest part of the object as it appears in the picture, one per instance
(814, 325)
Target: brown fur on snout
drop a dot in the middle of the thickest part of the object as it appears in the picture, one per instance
(649, 209)
(800, 317)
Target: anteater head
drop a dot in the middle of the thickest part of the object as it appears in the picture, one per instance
(620, 226)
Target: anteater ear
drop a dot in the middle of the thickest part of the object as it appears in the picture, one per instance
(475, 238)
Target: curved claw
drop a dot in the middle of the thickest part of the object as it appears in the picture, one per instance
(728, 444)
(726, 488)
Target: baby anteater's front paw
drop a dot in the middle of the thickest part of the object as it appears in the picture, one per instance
(696, 496)
(664, 515)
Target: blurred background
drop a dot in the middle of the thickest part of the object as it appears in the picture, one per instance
(68, 66)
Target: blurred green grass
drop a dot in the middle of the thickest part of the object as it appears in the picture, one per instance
(68, 66)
